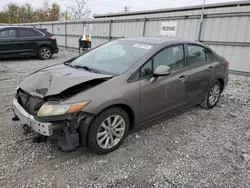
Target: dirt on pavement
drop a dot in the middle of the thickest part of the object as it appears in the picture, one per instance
(194, 148)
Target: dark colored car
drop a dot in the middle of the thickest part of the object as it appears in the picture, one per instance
(27, 41)
(96, 99)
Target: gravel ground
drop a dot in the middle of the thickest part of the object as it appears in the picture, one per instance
(195, 148)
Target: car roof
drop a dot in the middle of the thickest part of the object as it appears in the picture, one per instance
(160, 40)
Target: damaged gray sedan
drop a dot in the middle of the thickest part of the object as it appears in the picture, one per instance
(97, 99)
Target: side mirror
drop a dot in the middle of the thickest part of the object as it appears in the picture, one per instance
(162, 70)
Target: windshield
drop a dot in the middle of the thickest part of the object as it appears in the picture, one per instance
(115, 57)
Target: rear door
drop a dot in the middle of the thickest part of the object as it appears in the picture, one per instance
(27, 41)
(8, 40)
(201, 69)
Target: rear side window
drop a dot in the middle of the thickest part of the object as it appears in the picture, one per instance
(8, 33)
(198, 54)
(26, 33)
(38, 33)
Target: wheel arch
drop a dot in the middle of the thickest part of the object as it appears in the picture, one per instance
(44, 45)
(222, 83)
(86, 127)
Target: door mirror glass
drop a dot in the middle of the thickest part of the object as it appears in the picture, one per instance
(162, 70)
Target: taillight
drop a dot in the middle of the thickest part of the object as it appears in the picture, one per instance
(227, 63)
(53, 38)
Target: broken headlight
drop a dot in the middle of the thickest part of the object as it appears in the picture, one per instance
(48, 110)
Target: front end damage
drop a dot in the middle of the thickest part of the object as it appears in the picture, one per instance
(67, 131)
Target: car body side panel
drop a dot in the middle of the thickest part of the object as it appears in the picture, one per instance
(221, 70)
(116, 91)
(27, 46)
(199, 80)
(8, 46)
(164, 94)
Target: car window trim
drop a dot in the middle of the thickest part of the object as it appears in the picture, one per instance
(130, 79)
(152, 67)
(43, 34)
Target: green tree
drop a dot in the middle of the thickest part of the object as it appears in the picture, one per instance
(12, 12)
(54, 12)
(26, 13)
(3, 17)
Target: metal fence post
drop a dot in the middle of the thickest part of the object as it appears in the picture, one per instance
(52, 28)
(110, 24)
(201, 20)
(65, 28)
(40, 25)
(144, 26)
(83, 26)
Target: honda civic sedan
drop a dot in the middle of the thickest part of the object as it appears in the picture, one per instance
(97, 99)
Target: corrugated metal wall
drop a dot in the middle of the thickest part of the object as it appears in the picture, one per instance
(224, 29)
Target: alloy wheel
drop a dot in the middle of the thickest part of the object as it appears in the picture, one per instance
(45, 53)
(214, 95)
(110, 131)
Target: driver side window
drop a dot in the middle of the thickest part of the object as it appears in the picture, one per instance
(8, 33)
(171, 56)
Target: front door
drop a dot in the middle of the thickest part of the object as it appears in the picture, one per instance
(165, 93)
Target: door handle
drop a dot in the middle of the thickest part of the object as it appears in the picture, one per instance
(183, 78)
(211, 68)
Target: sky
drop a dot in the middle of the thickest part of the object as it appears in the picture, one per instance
(114, 6)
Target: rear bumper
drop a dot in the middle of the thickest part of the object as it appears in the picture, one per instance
(43, 128)
(56, 50)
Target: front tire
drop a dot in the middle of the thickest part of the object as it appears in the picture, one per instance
(213, 95)
(108, 130)
(44, 53)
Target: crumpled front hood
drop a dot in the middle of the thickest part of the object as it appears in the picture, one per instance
(56, 79)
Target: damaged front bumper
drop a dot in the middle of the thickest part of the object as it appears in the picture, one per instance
(72, 129)
(42, 128)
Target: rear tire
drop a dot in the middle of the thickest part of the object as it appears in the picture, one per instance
(108, 130)
(213, 95)
(44, 53)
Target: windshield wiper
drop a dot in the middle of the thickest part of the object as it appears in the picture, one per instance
(86, 68)
(69, 61)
